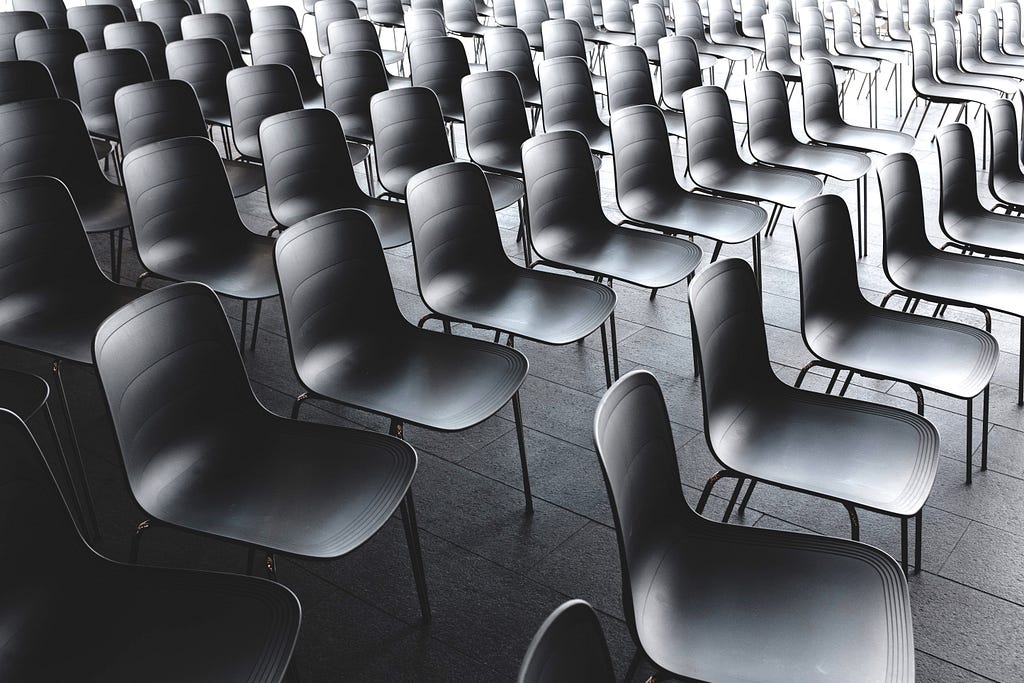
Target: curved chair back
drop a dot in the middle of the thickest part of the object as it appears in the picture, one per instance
(649, 25)
(896, 21)
(680, 69)
(777, 55)
(238, 12)
(768, 119)
(946, 58)
(433, 5)
(100, 74)
(812, 34)
(567, 94)
(617, 16)
(924, 68)
(710, 136)
(273, 17)
(144, 36)
(750, 17)
(689, 21)
(351, 78)
(496, 123)
(1011, 24)
(13, 23)
(25, 80)
(53, 12)
(821, 96)
(508, 49)
(563, 38)
(970, 37)
(958, 172)
(216, 26)
(530, 14)
(903, 224)
(722, 22)
(385, 12)
(1006, 151)
(580, 11)
(629, 77)
(89, 20)
(409, 135)
(919, 16)
(305, 159)
(167, 15)
(972, 7)
(157, 110)
(460, 13)
(254, 93)
(989, 29)
(561, 184)
(326, 11)
(943, 10)
(353, 34)
(204, 64)
(287, 46)
(842, 28)
(568, 646)
(56, 49)
(423, 23)
(643, 157)
(127, 7)
(440, 64)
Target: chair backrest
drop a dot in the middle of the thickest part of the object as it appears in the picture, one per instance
(777, 55)
(634, 443)
(56, 49)
(439, 64)
(204, 64)
(946, 57)
(567, 93)
(408, 134)
(271, 17)
(53, 12)
(286, 46)
(144, 36)
(157, 110)
(903, 224)
(25, 80)
(972, 6)
(508, 49)
(163, 360)
(530, 14)
(896, 20)
(970, 37)
(580, 11)
(460, 12)
(710, 135)
(434, 5)
(958, 172)
(649, 23)
(167, 15)
(989, 29)
(943, 10)
(1011, 23)
(867, 14)
(455, 236)
(924, 68)
(495, 114)
(217, 26)
(254, 93)
(353, 34)
(334, 280)
(238, 12)
(768, 119)
(821, 95)
(629, 77)
(563, 38)
(784, 8)
(842, 28)
(680, 69)
(101, 73)
(618, 14)
(750, 19)
(643, 157)
(385, 12)
(423, 23)
(556, 9)
(919, 15)
(305, 159)
(13, 23)
(722, 21)
(326, 11)
(504, 12)
(1005, 150)
(689, 21)
(812, 33)
(89, 20)
(127, 7)
(351, 78)
(569, 646)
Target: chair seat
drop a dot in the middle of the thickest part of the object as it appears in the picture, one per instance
(621, 27)
(1012, 60)
(242, 267)
(798, 607)
(948, 357)
(599, 137)
(543, 307)
(885, 54)
(357, 128)
(500, 158)
(61, 322)
(947, 93)
(469, 29)
(313, 98)
(641, 258)
(505, 191)
(357, 152)
(103, 126)
(747, 43)
(723, 220)
(595, 35)
(859, 138)
(989, 232)
(864, 65)
(391, 219)
(979, 67)
(996, 285)
(842, 164)
(998, 83)
(876, 43)
(395, 82)
(435, 380)
(884, 459)
(734, 53)
(239, 627)
(349, 482)
(392, 56)
(101, 148)
(21, 393)
(777, 185)
(244, 178)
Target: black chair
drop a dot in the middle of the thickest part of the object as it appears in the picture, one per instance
(238, 12)
(21, 81)
(351, 78)
(870, 34)
(351, 344)
(680, 70)
(54, 294)
(845, 332)
(424, 23)
(690, 23)
(709, 601)
(177, 391)
(409, 137)
(1005, 178)
(649, 195)
(127, 7)
(564, 38)
(166, 109)
(144, 36)
(238, 626)
(461, 18)
(53, 12)
(56, 49)
(288, 46)
(167, 15)
(217, 26)
(630, 84)
(507, 49)
(273, 17)
(327, 11)
(439, 65)
(254, 93)
(455, 238)
(305, 161)
(846, 45)
(204, 64)
(360, 34)
(569, 647)
(48, 137)
(187, 228)
(567, 95)
(13, 23)
(715, 165)
(921, 271)
(496, 122)
(90, 20)
(386, 13)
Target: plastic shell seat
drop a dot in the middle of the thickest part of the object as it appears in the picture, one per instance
(569, 647)
(13, 23)
(1005, 180)
(727, 603)
(567, 95)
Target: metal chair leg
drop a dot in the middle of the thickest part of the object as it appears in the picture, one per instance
(970, 438)
(412, 539)
(854, 522)
(517, 410)
(917, 540)
(904, 562)
(634, 664)
(604, 349)
(721, 474)
(76, 499)
(984, 430)
(87, 500)
(746, 498)
(732, 499)
(245, 317)
(256, 324)
(137, 539)
(299, 400)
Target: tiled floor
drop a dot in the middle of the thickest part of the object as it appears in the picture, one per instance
(494, 573)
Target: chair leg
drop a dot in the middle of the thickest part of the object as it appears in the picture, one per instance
(412, 539)
(634, 664)
(721, 474)
(76, 500)
(604, 349)
(970, 438)
(746, 498)
(732, 499)
(854, 522)
(245, 318)
(137, 539)
(517, 410)
(803, 372)
(256, 324)
(299, 400)
(615, 343)
(917, 540)
(1020, 367)
(87, 500)
(984, 430)
(904, 561)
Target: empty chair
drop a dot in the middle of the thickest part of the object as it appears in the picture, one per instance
(530, 14)
(919, 16)
(690, 23)
(564, 38)
(845, 44)
(53, 12)
(100, 74)
(845, 332)
(217, 26)
(144, 36)
(1011, 43)
(777, 55)
(582, 12)
(254, 93)
(386, 13)
(751, 12)
(127, 7)
(25, 81)
(569, 647)
(166, 109)
(204, 64)
(1005, 179)
(496, 122)
(680, 71)
(705, 600)
(990, 47)
(238, 12)
(243, 627)
(461, 18)
(56, 49)
(54, 294)
(351, 78)
(508, 49)
(287, 46)
(629, 82)
(166, 14)
(326, 11)
(715, 164)
(13, 23)
(948, 69)
(360, 34)
(971, 60)
(351, 344)
(187, 228)
(897, 27)
(870, 36)
(272, 17)
(439, 64)
(617, 17)
(723, 31)
(305, 159)
(456, 239)
(423, 23)
(649, 195)
(920, 270)
(649, 20)
(89, 20)
(182, 395)
(568, 102)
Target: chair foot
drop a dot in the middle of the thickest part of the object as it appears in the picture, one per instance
(297, 403)
(854, 522)
(721, 474)
(137, 539)
(517, 409)
(412, 539)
